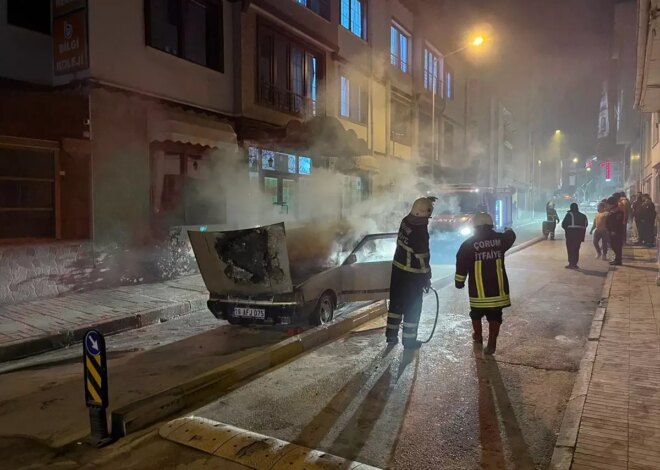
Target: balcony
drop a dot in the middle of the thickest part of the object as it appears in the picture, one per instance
(287, 101)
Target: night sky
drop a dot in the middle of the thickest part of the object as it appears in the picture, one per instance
(558, 48)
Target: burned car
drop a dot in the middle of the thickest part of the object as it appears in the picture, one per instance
(264, 275)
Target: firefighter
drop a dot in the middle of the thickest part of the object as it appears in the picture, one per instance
(411, 275)
(481, 258)
(575, 226)
(551, 217)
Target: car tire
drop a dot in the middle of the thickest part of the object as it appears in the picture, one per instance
(324, 311)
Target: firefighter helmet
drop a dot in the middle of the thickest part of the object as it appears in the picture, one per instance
(422, 207)
(482, 218)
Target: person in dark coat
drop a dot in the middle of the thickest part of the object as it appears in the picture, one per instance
(646, 221)
(575, 226)
(617, 229)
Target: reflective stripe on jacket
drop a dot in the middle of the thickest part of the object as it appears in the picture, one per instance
(480, 260)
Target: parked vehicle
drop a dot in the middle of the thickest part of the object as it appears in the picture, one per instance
(251, 279)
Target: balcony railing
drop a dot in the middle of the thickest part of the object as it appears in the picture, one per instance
(286, 100)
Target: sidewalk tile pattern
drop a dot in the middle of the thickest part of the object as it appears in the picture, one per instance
(620, 427)
(38, 318)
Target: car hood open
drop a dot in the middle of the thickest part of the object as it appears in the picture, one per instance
(250, 262)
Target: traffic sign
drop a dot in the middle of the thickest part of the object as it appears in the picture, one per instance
(92, 342)
(96, 385)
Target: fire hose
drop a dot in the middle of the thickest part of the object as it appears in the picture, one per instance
(437, 314)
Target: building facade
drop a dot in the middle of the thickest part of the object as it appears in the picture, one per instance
(130, 120)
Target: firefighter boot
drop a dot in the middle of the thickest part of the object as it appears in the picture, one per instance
(477, 334)
(493, 331)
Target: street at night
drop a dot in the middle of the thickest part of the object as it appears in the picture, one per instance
(329, 234)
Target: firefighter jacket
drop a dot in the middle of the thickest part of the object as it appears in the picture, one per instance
(412, 253)
(575, 224)
(480, 260)
(551, 215)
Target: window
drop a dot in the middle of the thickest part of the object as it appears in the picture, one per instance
(190, 29)
(320, 7)
(450, 84)
(400, 122)
(354, 17)
(288, 73)
(399, 48)
(655, 129)
(27, 193)
(354, 98)
(432, 70)
(33, 15)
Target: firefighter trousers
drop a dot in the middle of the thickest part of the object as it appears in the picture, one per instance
(573, 242)
(406, 295)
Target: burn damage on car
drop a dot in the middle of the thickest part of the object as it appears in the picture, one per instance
(250, 257)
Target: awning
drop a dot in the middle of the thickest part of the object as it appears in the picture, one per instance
(190, 129)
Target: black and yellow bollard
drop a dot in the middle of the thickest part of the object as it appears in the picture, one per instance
(96, 387)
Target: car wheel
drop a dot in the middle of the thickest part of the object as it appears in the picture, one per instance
(325, 310)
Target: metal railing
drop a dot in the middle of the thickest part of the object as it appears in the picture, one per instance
(287, 100)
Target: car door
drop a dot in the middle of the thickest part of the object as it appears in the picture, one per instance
(365, 275)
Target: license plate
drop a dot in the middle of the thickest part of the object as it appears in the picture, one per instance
(246, 312)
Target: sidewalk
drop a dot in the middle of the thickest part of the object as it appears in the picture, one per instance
(41, 325)
(619, 426)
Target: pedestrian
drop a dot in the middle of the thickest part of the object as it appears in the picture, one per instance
(575, 227)
(601, 236)
(616, 228)
(624, 203)
(551, 218)
(635, 208)
(411, 275)
(481, 258)
(647, 215)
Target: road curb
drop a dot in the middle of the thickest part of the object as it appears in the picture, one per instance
(201, 389)
(562, 456)
(62, 339)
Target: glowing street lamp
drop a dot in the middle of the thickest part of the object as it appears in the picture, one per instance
(478, 41)
(558, 132)
(576, 159)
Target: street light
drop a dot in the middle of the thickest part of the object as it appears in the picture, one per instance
(576, 159)
(476, 42)
(558, 132)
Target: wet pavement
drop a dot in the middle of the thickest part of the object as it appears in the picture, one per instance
(446, 406)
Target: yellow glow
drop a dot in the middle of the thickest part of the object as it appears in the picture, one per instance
(557, 132)
(634, 157)
(575, 160)
(539, 162)
(478, 41)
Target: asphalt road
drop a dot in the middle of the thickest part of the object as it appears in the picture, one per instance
(444, 407)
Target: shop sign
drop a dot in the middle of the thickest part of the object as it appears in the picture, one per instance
(63, 7)
(70, 43)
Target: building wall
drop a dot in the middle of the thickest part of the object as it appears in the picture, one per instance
(120, 173)
(25, 55)
(120, 56)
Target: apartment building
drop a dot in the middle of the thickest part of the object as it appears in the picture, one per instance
(110, 111)
(137, 117)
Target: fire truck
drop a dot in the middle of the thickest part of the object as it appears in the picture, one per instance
(456, 204)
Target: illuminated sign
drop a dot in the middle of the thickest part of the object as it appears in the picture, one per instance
(304, 165)
(498, 213)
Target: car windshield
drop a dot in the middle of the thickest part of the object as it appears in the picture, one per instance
(374, 250)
